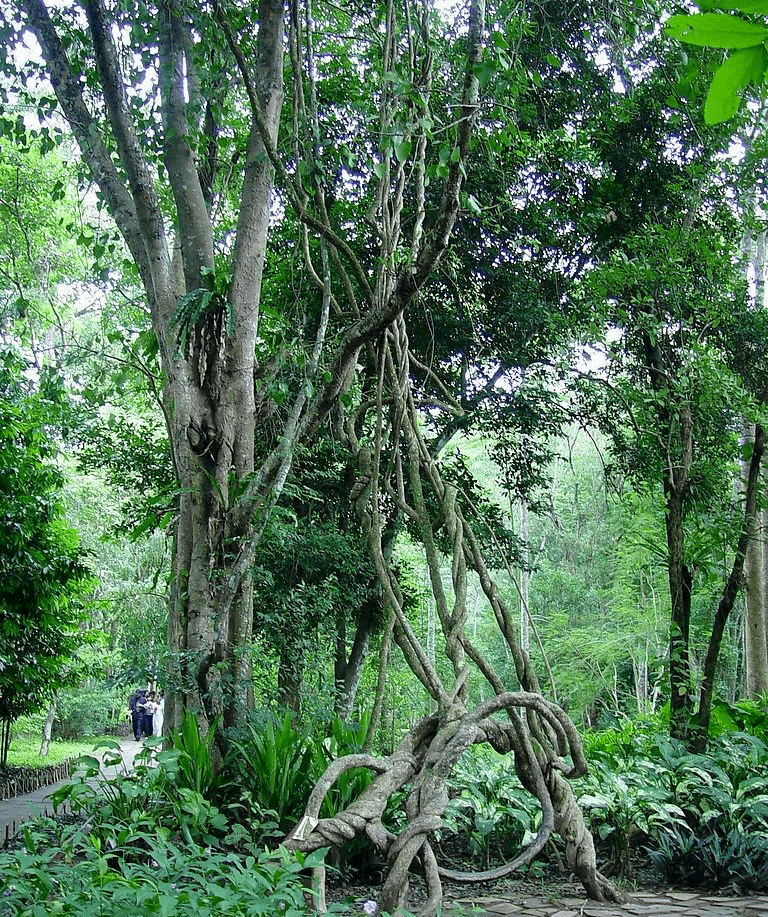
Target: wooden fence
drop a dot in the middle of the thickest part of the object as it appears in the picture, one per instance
(16, 781)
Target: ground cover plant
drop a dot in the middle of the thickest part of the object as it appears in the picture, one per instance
(148, 842)
(697, 819)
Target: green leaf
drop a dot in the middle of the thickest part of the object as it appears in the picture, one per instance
(716, 30)
(760, 7)
(472, 204)
(402, 149)
(378, 170)
(737, 71)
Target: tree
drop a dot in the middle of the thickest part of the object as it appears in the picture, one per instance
(676, 370)
(232, 345)
(43, 580)
(206, 316)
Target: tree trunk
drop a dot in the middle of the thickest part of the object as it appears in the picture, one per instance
(730, 591)
(348, 668)
(680, 583)
(48, 727)
(756, 612)
(525, 562)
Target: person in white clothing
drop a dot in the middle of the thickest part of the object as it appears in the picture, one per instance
(159, 715)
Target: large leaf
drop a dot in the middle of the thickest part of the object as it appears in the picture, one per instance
(737, 71)
(760, 7)
(716, 30)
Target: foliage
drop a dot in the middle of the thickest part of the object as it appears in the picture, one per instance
(344, 738)
(272, 766)
(703, 818)
(155, 796)
(489, 807)
(183, 880)
(192, 756)
(747, 715)
(745, 67)
(43, 580)
(88, 710)
(40, 226)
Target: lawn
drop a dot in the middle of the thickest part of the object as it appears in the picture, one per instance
(24, 750)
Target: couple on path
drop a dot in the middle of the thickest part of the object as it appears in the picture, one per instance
(146, 709)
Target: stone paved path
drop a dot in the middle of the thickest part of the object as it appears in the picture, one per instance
(641, 904)
(14, 812)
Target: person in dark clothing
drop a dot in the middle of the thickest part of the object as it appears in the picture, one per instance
(137, 716)
(148, 727)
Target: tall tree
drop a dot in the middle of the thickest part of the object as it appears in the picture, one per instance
(205, 316)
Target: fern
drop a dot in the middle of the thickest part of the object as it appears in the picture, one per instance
(189, 310)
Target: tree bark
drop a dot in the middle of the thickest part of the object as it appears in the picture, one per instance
(756, 610)
(48, 727)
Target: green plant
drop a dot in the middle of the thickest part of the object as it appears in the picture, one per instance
(748, 715)
(152, 799)
(189, 761)
(82, 877)
(622, 807)
(272, 764)
(88, 711)
(489, 806)
(346, 738)
(703, 818)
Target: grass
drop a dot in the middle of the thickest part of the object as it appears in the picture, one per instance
(24, 750)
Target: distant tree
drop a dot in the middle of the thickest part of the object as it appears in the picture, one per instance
(43, 580)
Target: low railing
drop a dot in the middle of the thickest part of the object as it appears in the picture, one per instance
(16, 781)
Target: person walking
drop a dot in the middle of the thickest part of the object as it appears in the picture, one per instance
(144, 706)
(137, 716)
(159, 715)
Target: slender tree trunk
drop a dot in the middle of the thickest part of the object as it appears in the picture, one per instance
(756, 612)
(680, 583)
(730, 591)
(48, 727)
(525, 640)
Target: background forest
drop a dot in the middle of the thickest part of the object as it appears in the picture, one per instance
(345, 350)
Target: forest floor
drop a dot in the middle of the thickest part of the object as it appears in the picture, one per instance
(560, 896)
(551, 892)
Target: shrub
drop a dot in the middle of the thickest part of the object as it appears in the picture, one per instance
(81, 877)
(702, 818)
(271, 766)
(89, 711)
(489, 807)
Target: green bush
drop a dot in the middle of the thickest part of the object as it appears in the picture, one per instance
(489, 807)
(89, 711)
(271, 764)
(701, 818)
(91, 879)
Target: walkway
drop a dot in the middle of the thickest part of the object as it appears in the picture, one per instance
(641, 904)
(14, 812)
